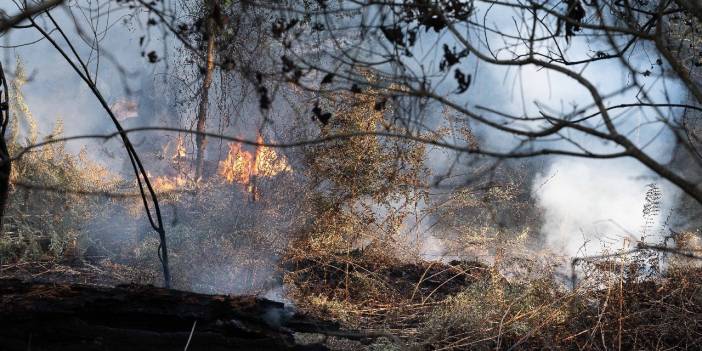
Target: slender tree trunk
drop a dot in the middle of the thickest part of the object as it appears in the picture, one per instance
(200, 139)
(5, 170)
(6, 165)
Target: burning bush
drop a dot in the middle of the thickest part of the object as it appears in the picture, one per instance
(342, 238)
(245, 168)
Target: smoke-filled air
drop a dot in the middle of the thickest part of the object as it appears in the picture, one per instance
(350, 175)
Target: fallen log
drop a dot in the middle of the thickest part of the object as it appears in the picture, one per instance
(45, 316)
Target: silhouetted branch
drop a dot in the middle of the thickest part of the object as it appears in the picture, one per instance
(8, 22)
(139, 170)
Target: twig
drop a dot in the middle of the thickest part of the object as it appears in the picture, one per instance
(190, 336)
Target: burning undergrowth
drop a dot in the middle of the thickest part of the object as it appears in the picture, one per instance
(71, 215)
(327, 226)
(245, 167)
(228, 229)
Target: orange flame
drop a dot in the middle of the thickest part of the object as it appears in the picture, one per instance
(240, 165)
(166, 184)
(181, 151)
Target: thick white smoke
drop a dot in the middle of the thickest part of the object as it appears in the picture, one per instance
(583, 201)
(590, 205)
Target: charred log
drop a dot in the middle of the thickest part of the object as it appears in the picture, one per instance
(43, 316)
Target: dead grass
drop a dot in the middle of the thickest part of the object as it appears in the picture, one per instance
(615, 305)
(644, 301)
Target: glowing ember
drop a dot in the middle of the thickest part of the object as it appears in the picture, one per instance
(240, 165)
(181, 151)
(166, 184)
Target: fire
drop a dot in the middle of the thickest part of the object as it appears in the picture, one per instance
(181, 151)
(242, 166)
(268, 162)
(238, 166)
(166, 184)
(179, 154)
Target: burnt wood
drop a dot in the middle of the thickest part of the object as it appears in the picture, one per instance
(44, 316)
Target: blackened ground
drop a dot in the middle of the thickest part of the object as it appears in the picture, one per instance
(360, 279)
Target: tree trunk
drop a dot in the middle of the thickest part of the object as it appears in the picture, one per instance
(5, 170)
(6, 165)
(200, 139)
(45, 316)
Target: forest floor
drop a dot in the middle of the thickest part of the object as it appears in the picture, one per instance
(367, 301)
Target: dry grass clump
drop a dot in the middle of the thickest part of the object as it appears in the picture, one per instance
(39, 222)
(493, 314)
(223, 240)
(649, 314)
(373, 289)
(48, 224)
(620, 306)
(619, 302)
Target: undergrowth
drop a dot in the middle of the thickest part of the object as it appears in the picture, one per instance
(337, 246)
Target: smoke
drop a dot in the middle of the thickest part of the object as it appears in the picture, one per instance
(220, 241)
(586, 205)
(107, 40)
(590, 205)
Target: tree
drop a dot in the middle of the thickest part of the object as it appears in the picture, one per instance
(429, 47)
(431, 56)
(212, 12)
(6, 166)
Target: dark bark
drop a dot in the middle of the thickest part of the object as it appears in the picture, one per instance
(692, 7)
(5, 161)
(5, 170)
(7, 23)
(43, 316)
